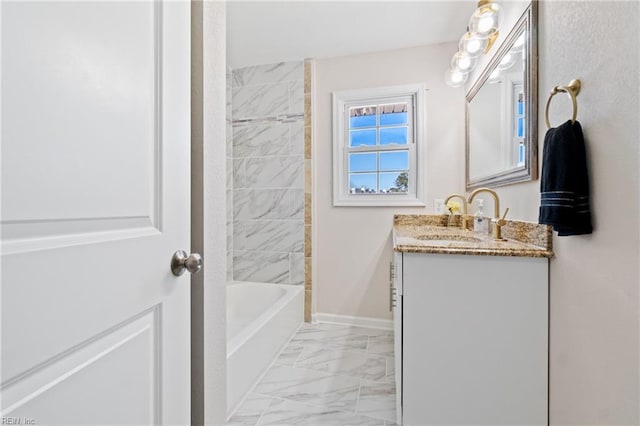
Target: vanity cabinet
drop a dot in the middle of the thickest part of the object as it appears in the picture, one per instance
(471, 339)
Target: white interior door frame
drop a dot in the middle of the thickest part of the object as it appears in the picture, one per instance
(208, 212)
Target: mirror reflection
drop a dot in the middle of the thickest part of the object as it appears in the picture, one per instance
(500, 130)
(497, 127)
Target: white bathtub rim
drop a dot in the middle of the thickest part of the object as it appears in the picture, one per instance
(253, 327)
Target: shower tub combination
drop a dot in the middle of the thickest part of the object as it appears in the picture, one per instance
(261, 318)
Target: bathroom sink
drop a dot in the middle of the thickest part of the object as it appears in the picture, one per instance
(448, 240)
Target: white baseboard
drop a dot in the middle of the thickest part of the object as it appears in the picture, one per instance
(349, 320)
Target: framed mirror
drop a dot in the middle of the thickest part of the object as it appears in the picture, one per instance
(501, 112)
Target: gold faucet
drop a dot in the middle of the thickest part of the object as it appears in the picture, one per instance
(497, 222)
(465, 210)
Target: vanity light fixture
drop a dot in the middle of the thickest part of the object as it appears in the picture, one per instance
(482, 32)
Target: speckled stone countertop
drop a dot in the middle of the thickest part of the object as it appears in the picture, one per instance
(430, 234)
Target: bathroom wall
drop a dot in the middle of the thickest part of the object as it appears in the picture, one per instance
(267, 112)
(352, 247)
(594, 279)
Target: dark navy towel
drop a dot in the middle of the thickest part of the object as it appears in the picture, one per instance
(564, 186)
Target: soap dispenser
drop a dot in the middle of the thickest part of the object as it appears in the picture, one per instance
(480, 223)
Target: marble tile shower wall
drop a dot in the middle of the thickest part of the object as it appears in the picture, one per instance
(268, 173)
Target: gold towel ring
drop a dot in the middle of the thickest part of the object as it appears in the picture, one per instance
(572, 90)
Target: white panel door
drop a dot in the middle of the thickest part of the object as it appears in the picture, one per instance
(95, 200)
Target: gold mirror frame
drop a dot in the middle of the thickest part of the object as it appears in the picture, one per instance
(528, 22)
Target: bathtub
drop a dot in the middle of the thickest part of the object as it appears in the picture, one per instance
(261, 318)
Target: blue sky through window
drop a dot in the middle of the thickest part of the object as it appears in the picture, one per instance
(376, 171)
(393, 118)
(367, 183)
(520, 132)
(391, 135)
(394, 160)
(367, 162)
(362, 121)
(364, 181)
(362, 137)
(388, 181)
(363, 162)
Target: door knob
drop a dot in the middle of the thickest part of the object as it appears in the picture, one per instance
(180, 261)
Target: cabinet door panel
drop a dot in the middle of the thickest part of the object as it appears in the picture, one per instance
(474, 340)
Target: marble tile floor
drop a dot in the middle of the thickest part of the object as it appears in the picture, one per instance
(326, 375)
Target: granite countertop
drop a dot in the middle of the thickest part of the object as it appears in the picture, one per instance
(430, 234)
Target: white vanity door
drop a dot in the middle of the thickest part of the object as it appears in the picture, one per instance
(95, 199)
(474, 340)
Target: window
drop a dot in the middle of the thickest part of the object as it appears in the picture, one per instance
(519, 118)
(377, 144)
(514, 116)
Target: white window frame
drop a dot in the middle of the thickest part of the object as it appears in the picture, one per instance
(342, 100)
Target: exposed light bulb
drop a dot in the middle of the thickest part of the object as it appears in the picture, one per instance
(485, 23)
(463, 62)
(472, 44)
(456, 78)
